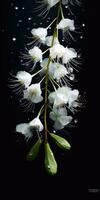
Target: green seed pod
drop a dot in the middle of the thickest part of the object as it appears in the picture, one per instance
(50, 162)
(33, 153)
(61, 142)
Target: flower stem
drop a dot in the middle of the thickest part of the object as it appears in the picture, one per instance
(47, 78)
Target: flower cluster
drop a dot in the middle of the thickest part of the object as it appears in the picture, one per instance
(52, 93)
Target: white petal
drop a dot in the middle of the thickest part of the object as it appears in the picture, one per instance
(24, 128)
(57, 50)
(36, 123)
(33, 93)
(36, 54)
(64, 120)
(58, 126)
(40, 32)
(66, 24)
(69, 54)
(52, 2)
(73, 95)
(24, 77)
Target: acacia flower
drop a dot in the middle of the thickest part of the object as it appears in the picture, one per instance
(26, 128)
(33, 93)
(57, 71)
(62, 96)
(24, 78)
(39, 33)
(57, 50)
(36, 54)
(66, 24)
(60, 117)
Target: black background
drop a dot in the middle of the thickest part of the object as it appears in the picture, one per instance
(78, 170)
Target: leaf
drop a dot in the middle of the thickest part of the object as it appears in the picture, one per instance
(33, 153)
(50, 162)
(61, 142)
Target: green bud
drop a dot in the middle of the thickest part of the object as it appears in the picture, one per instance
(33, 153)
(50, 162)
(61, 142)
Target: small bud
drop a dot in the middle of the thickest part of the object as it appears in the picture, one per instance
(33, 153)
(50, 162)
(61, 142)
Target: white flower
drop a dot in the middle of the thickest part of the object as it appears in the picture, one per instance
(26, 128)
(69, 55)
(66, 24)
(36, 54)
(63, 95)
(57, 71)
(33, 93)
(24, 78)
(57, 51)
(36, 123)
(59, 97)
(49, 39)
(60, 117)
(39, 33)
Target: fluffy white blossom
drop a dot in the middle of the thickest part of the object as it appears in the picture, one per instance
(39, 33)
(57, 50)
(69, 55)
(57, 71)
(60, 117)
(63, 95)
(66, 24)
(24, 78)
(26, 128)
(33, 93)
(36, 54)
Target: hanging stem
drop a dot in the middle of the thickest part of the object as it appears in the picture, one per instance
(47, 77)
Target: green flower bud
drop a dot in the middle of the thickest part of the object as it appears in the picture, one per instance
(61, 142)
(33, 153)
(50, 162)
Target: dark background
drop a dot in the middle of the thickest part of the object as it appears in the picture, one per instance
(79, 169)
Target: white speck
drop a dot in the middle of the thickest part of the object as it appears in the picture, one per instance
(11, 4)
(30, 154)
(54, 131)
(62, 40)
(23, 8)
(66, 6)
(81, 37)
(83, 25)
(20, 20)
(14, 39)
(16, 8)
(48, 167)
(29, 18)
(75, 121)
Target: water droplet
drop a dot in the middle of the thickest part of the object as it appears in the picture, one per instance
(29, 18)
(23, 8)
(16, 8)
(54, 131)
(14, 39)
(83, 25)
(81, 37)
